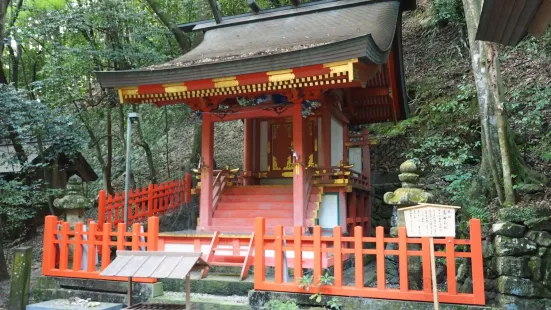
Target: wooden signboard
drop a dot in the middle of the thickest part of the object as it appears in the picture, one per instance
(430, 220)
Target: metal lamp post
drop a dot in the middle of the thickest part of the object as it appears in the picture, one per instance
(132, 117)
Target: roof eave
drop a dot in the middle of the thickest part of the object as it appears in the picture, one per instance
(363, 48)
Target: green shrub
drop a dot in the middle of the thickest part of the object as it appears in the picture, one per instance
(448, 11)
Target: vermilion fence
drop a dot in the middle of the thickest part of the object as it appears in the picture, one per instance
(154, 200)
(73, 252)
(339, 245)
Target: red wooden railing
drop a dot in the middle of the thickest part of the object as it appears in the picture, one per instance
(64, 247)
(339, 245)
(154, 200)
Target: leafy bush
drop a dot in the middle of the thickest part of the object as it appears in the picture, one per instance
(448, 11)
(472, 205)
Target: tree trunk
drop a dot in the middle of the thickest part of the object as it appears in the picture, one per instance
(147, 149)
(109, 160)
(4, 274)
(500, 156)
(179, 35)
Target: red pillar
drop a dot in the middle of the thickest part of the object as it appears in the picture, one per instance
(207, 158)
(345, 139)
(248, 151)
(299, 127)
(326, 138)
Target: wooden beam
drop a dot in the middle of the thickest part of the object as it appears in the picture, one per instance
(215, 11)
(541, 20)
(254, 6)
(207, 158)
(275, 111)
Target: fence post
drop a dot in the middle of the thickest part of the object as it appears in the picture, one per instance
(187, 188)
(359, 258)
(49, 254)
(337, 255)
(298, 252)
(121, 235)
(477, 262)
(64, 246)
(102, 201)
(150, 200)
(136, 236)
(153, 234)
(91, 241)
(403, 259)
(77, 247)
(105, 246)
(317, 253)
(259, 269)
(278, 254)
(380, 245)
(20, 278)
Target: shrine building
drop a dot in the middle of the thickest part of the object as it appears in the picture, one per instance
(299, 79)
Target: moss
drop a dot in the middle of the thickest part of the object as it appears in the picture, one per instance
(521, 215)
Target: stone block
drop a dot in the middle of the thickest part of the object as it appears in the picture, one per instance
(542, 238)
(487, 249)
(521, 215)
(516, 303)
(507, 246)
(541, 223)
(508, 229)
(521, 287)
(65, 304)
(513, 266)
(535, 265)
(489, 284)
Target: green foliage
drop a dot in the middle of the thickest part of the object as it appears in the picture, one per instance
(522, 214)
(307, 281)
(454, 144)
(281, 305)
(334, 303)
(473, 204)
(448, 11)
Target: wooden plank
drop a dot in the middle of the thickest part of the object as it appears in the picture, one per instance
(167, 266)
(132, 266)
(64, 246)
(182, 269)
(77, 256)
(149, 266)
(297, 244)
(114, 268)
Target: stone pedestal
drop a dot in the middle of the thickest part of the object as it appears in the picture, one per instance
(408, 195)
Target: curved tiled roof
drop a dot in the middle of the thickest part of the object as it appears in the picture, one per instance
(360, 29)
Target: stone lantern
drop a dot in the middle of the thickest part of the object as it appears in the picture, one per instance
(408, 195)
(73, 203)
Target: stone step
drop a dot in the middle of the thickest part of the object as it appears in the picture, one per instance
(48, 288)
(204, 301)
(213, 284)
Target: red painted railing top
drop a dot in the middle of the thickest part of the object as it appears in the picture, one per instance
(342, 246)
(154, 200)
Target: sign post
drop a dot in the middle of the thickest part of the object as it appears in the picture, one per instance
(430, 220)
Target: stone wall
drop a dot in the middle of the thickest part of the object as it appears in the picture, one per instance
(517, 261)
